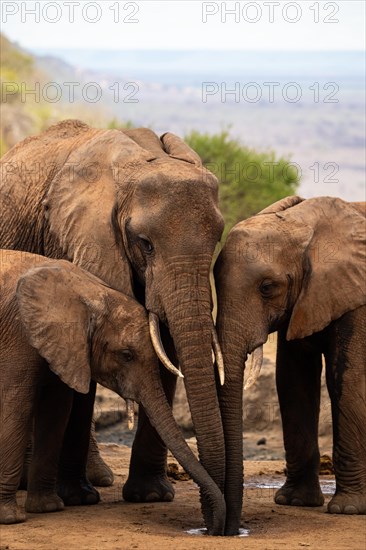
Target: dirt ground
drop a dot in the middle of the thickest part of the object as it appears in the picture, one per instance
(116, 525)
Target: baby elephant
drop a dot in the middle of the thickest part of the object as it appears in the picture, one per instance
(60, 327)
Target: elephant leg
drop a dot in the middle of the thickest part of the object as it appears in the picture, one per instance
(98, 472)
(73, 485)
(15, 423)
(52, 412)
(147, 480)
(346, 380)
(298, 386)
(26, 464)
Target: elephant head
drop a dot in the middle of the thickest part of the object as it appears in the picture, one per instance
(298, 262)
(84, 330)
(141, 213)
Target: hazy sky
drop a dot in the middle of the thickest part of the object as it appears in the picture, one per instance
(156, 24)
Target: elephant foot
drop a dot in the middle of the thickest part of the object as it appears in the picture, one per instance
(43, 503)
(301, 493)
(98, 472)
(77, 492)
(347, 503)
(11, 513)
(148, 489)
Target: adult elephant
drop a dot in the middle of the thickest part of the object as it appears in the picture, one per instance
(298, 267)
(141, 213)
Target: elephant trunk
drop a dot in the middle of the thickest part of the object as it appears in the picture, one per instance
(188, 312)
(153, 399)
(231, 406)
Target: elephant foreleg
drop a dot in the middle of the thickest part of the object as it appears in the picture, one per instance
(51, 415)
(98, 472)
(298, 386)
(26, 463)
(147, 480)
(73, 485)
(346, 380)
(15, 422)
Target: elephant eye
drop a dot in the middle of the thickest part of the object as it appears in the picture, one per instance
(266, 288)
(146, 245)
(125, 355)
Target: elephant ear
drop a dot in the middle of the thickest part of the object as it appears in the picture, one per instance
(176, 148)
(55, 303)
(147, 139)
(283, 204)
(334, 281)
(81, 204)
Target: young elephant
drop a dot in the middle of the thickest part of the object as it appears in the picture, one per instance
(60, 327)
(298, 267)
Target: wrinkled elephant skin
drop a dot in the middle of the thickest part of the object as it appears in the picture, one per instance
(298, 267)
(141, 213)
(60, 327)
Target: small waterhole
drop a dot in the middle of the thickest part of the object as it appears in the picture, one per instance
(203, 531)
(327, 486)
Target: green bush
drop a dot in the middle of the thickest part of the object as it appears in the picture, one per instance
(249, 180)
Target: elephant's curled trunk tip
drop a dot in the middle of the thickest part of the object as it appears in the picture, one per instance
(216, 518)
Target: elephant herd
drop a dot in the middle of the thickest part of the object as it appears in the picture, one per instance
(107, 241)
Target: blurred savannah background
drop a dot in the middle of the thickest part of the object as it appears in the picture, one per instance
(270, 94)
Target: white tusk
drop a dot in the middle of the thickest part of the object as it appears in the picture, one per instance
(218, 356)
(130, 409)
(255, 367)
(158, 345)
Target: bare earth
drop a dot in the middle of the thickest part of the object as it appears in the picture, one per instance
(116, 525)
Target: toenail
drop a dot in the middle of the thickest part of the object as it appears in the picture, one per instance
(297, 502)
(152, 497)
(334, 509)
(350, 509)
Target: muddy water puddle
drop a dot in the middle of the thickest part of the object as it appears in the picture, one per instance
(327, 485)
(202, 532)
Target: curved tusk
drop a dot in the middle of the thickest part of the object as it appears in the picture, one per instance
(218, 356)
(255, 367)
(130, 410)
(158, 345)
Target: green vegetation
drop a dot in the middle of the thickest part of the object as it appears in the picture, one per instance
(116, 124)
(249, 180)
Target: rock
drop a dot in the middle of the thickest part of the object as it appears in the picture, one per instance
(175, 472)
(262, 441)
